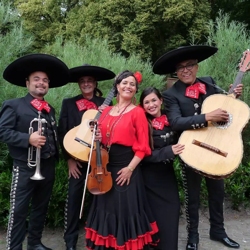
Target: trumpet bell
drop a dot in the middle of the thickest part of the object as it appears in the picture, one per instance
(37, 177)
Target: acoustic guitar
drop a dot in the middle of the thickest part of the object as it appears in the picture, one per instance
(77, 141)
(216, 151)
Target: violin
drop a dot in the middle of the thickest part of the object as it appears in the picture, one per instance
(99, 179)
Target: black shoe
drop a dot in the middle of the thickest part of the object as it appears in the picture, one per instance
(38, 247)
(192, 246)
(71, 248)
(227, 242)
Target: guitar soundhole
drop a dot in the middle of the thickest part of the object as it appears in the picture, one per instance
(221, 123)
(224, 125)
(91, 123)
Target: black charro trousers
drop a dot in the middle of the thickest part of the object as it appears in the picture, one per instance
(73, 207)
(192, 187)
(29, 195)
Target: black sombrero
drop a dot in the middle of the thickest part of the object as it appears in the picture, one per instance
(167, 63)
(17, 72)
(99, 73)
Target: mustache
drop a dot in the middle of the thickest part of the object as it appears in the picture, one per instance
(40, 86)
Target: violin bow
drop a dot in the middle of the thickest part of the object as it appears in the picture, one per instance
(87, 173)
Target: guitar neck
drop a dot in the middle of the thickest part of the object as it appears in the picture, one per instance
(243, 67)
(236, 81)
(107, 101)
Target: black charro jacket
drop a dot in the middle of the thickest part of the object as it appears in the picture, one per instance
(163, 141)
(71, 117)
(15, 117)
(184, 113)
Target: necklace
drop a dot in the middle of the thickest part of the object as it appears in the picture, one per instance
(113, 121)
(119, 108)
(109, 128)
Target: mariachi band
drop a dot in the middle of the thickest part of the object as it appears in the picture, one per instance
(119, 150)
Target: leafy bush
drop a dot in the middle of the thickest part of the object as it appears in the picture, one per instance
(13, 43)
(238, 186)
(5, 183)
(96, 52)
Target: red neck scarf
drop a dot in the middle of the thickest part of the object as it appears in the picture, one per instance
(194, 91)
(84, 104)
(159, 122)
(40, 105)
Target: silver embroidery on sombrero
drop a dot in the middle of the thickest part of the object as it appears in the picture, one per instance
(15, 175)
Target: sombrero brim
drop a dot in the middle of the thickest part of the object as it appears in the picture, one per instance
(167, 63)
(99, 73)
(17, 72)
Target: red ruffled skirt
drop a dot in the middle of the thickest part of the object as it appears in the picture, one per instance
(121, 219)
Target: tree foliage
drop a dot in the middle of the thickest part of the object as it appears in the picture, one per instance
(45, 20)
(238, 10)
(147, 28)
(232, 39)
(13, 43)
(144, 27)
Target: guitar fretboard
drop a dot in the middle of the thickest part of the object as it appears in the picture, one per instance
(236, 81)
(107, 101)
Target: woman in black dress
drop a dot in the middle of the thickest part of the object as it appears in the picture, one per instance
(121, 218)
(158, 172)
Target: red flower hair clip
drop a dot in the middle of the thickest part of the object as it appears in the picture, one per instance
(138, 76)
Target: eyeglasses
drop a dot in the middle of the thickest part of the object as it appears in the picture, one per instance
(188, 67)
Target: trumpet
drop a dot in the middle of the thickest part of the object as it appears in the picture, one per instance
(37, 175)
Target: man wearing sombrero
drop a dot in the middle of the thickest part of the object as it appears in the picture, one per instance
(87, 77)
(183, 103)
(32, 180)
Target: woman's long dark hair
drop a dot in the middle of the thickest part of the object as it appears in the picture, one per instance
(145, 93)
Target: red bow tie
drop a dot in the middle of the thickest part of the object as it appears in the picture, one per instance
(195, 90)
(160, 122)
(40, 105)
(84, 104)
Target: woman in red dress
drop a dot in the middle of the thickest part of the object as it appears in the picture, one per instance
(121, 218)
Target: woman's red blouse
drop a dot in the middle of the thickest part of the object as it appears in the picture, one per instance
(128, 129)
